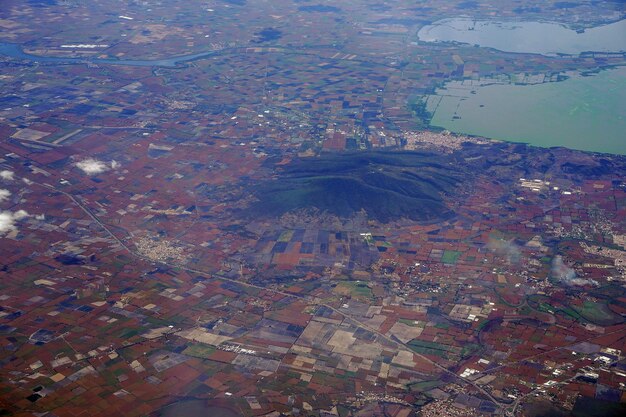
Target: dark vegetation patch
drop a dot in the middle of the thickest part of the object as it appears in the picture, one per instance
(398, 21)
(387, 185)
(70, 259)
(467, 5)
(565, 5)
(589, 170)
(591, 407)
(42, 3)
(522, 10)
(320, 8)
(543, 408)
(267, 34)
(235, 2)
(379, 7)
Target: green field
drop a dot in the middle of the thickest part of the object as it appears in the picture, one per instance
(432, 348)
(450, 256)
(355, 289)
(598, 313)
(424, 386)
(199, 351)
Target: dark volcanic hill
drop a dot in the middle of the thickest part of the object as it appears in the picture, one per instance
(387, 185)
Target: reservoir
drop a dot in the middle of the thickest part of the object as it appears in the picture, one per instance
(581, 112)
(544, 38)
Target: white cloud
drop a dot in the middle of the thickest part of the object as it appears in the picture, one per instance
(8, 219)
(506, 248)
(7, 175)
(566, 274)
(91, 166)
(4, 194)
(115, 164)
(20, 214)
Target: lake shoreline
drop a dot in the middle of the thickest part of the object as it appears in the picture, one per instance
(578, 112)
(530, 37)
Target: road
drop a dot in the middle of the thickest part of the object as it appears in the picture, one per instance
(309, 299)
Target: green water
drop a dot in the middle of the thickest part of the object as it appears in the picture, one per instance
(586, 113)
(547, 38)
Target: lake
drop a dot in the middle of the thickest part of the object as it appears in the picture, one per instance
(582, 112)
(544, 38)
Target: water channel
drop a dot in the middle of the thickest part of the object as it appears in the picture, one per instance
(15, 51)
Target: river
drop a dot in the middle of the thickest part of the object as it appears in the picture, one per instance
(15, 51)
